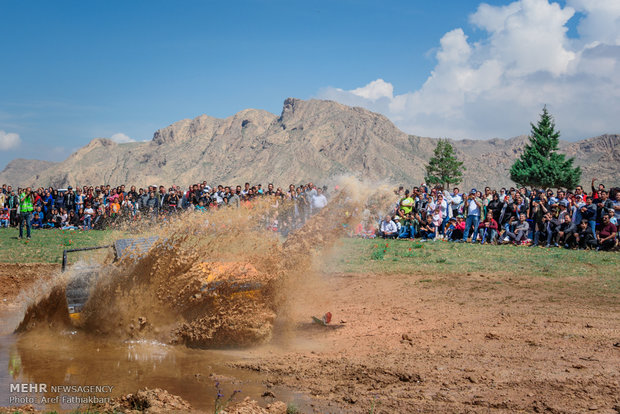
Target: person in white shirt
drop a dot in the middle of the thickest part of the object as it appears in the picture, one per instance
(89, 213)
(455, 201)
(318, 201)
(442, 205)
(388, 229)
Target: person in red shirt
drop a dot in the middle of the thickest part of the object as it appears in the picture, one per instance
(488, 229)
(606, 234)
(595, 192)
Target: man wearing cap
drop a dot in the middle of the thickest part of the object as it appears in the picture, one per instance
(473, 209)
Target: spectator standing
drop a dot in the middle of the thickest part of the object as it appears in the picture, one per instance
(319, 201)
(88, 217)
(235, 198)
(603, 204)
(617, 203)
(26, 207)
(70, 199)
(13, 204)
(310, 193)
(79, 199)
(473, 206)
(588, 212)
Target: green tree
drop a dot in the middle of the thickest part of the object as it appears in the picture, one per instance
(443, 167)
(540, 165)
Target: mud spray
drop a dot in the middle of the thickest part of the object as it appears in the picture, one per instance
(213, 279)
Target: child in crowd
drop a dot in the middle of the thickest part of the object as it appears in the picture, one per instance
(459, 228)
(450, 227)
(5, 218)
(37, 220)
(437, 218)
(201, 206)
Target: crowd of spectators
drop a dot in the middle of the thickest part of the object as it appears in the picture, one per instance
(101, 207)
(537, 217)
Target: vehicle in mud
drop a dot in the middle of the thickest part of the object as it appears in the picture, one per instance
(221, 280)
(79, 286)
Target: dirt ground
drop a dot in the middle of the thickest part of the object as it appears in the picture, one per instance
(470, 343)
(17, 277)
(419, 343)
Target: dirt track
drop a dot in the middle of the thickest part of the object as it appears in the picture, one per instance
(416, 343)
(470, 343)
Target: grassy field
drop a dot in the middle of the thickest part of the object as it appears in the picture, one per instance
(403, 256)
(46, 246)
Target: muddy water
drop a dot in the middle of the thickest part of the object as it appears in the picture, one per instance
(73, 358)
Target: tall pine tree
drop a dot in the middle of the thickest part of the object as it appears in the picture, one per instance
(540, 165)
(444, 168)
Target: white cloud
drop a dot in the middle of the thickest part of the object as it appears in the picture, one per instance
(9, 140)
(121, 138)
(602, 24)
(494, 87)
(375, 90)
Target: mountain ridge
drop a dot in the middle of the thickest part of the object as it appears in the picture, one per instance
(309, 140)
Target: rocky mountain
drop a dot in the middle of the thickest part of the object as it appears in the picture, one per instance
(20, 171)
(310, 140)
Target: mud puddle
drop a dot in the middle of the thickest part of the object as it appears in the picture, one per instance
(73, 358)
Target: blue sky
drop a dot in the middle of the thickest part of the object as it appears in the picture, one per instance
(73, 71)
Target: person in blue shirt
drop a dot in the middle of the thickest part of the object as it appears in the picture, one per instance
(37, 221)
